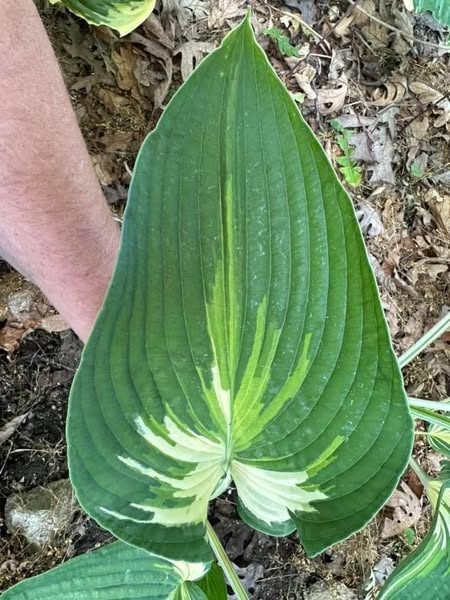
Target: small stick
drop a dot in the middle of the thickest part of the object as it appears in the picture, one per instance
(392, 28)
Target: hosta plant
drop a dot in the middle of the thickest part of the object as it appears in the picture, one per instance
(122, 15)
(242, 339)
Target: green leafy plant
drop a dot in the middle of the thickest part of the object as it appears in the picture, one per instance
(348, 167)
(439, 8)
(416, 169)
(242, 338)
(282, 41)
(122, 15)
(424, 573)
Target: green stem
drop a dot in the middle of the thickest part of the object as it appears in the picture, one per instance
(429, 337)
(225, 564)
(430, 404)
(419, 472)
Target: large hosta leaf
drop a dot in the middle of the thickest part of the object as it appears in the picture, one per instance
(439, 8)
(425, 573)
(438, 434)
(242, 335)
(115, 572)
(123, 15)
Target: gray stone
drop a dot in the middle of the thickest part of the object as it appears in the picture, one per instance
(42, 513)
(329, 590)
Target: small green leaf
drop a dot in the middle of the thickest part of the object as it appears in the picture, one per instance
(416, 169)
(213, 583)
(298, 97)
(439, 8)
(409, 535)
(424, 574)
(438, 434)
(349, 168)
(115, 572)
(283, 43)
(122, 15)
(439, 438)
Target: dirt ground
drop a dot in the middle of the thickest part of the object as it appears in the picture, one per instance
(371, 69)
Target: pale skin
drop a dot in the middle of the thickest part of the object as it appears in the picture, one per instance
(55, 226)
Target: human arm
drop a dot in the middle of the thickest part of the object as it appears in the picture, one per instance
(55, 226)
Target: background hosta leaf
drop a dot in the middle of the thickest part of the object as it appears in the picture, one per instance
(425, 573)
(439, 8)
(439, 438)
(213, 584)
(242, 335)
(123, 15)
(438, 431)
(115, 572)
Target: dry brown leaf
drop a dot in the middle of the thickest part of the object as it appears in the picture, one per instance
(407, 511)
(392, 92)
(124, 58)
(23, 308)
(330, 100)
(153, 28)
(442, 119)
(10, 337)
(117, 141)
(54, 324)
(184, 16)
(222, 10)
(112, 101)
(342, 28)
(291, 22)
(304, 77)
(369, 220)
(425, 93)
(376, 35)
(307, 8)
(7, 430)
(376, 149)
(191, 54)
(429, 267)
(105, 167)
(163, 56)
(355, 18)
(419, 126)
(403, 43)
(440, 209)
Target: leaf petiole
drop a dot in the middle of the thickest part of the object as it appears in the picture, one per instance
(430, 336)
(225, 564)
(429, 404)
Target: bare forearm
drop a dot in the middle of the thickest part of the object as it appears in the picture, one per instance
(55, 226)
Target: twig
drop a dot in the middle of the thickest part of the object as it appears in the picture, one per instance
(392, 28)
(300, 20)
(424, 111)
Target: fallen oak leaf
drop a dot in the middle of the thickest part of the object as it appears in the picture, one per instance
(391, 92)
(303, 76)
(191, 54)
(428, 95)
(377, 150)
(407, 511)
(222, 10)
(330, 100)
(163, 55)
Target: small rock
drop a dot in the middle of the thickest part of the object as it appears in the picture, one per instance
(225, 507)
(42, 513)
(329, 590)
